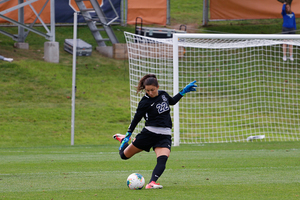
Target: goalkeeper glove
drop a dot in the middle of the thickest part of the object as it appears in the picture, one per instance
(125, 140)
(190, 87)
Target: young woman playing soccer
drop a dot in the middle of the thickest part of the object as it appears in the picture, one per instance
(155, 108)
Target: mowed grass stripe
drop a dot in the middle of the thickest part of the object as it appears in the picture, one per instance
(117, 179)
(181, 183)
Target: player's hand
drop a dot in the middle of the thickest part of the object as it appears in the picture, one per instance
(190, 87)
(125, 140)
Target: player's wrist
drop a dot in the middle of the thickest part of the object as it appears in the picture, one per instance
(128, 134)
(188, 88)
(182, 93)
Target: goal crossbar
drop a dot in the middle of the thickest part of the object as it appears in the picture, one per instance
(238, 36)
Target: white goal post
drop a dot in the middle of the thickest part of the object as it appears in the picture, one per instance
(246, 91)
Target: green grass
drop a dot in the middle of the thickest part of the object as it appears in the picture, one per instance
(189, 12)
(35, 96)
(262, 26)
(210, 171)
(36, 103)
(38, 162)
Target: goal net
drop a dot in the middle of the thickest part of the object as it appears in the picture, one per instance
(246, 91)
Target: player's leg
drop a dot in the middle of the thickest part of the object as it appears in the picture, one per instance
(142, 142)
(127, 151)
(162, 155)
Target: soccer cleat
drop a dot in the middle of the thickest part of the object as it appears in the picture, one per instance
(284, 58)
(291, 59)
(119, 137)
(153, 185)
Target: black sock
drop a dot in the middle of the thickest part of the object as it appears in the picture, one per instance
(121, 152)
(159, 168)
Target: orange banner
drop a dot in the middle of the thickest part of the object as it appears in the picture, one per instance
(29, 15)
(152, 12)
(245, 9)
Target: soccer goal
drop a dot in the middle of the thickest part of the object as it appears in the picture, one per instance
(246, 91)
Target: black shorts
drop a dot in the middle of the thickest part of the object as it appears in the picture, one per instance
(288, 30)
(146, 139)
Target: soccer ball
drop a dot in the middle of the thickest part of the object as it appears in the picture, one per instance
(135, 181)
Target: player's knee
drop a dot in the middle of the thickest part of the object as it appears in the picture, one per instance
(122, 155)
(162, 160)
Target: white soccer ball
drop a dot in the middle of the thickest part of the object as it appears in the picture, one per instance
(135, 181)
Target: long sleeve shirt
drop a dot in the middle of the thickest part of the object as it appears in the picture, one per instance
(156, 111)
(289, 20)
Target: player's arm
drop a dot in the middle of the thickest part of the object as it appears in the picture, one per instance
(175, 99)
(139, 114)
(140, 111)
(188, 88)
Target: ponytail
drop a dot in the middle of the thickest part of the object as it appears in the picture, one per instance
(149, 79)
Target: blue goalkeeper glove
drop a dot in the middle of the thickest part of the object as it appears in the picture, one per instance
(190, 87)
(125, 140)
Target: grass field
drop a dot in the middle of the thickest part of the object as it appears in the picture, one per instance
(38, 162)
(205, 171)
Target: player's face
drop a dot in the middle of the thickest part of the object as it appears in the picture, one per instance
(151, 90)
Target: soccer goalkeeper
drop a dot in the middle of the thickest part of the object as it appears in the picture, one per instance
(155, 108)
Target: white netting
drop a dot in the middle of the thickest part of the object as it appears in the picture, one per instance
(244, 86)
